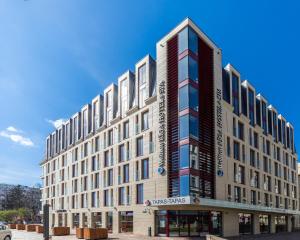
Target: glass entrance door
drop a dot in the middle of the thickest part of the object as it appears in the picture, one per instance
(161, 223)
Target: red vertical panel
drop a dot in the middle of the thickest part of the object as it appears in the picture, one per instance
(206, 120)
(172, 103)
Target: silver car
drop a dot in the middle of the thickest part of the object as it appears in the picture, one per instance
(5, 233)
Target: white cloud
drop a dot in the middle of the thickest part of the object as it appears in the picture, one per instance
(12, 129)
(14, 135)
(56, 123)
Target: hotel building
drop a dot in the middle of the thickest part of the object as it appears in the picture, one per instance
(180, 147)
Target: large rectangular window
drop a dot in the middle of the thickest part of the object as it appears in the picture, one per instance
(145, 121)
(188, 156)
(126, 173)
(126, 130)
(251, 106)
(187, 69)
(184, 185)
(188, 98)
(189, 126)
(264, 116)
(244, 101)
(139, 147)
(187, 39)
(226, 86)
(236, 94)
(139, 193)
(145, 168)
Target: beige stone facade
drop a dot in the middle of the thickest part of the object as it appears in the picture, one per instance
(104, 166)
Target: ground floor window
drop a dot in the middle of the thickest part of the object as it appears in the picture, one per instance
(264, 223)
(245, 223)
(60, 220)
(85, 220)
(109, 221)
(97, 219)
(126, 221)
(75, 220)
(188, 223)
(281, 223)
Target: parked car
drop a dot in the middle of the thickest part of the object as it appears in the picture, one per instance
(5, 233)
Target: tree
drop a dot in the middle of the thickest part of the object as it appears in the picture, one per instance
(15, 198)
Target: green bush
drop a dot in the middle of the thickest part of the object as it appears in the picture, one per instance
(13, 215)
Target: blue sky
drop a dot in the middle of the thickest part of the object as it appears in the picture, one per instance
(55, 56)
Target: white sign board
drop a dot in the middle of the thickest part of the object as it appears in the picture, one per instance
(187, 200)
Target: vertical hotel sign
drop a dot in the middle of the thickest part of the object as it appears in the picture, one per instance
(162, 127)
(219, 128)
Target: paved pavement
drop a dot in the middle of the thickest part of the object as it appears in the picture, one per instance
(23, 235)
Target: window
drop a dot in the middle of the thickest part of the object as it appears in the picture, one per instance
(110, 177)
(187, 39)
(96, 144)
(139, 193)
(142, 85)
(184, 156)
(187, 69)
(184, 185)
(121, 195)
(241, 131)
(228, 147)
(122, 153)
(236, 150)
(188, 98)
(139, 147)
(124, 97)
(145, 121)
(251, 106)
(110, 137)
(236, 94)
(256, 140)
(145, 169)
(126, 130)
(244, 100)
(226, 86)
(258, 112)
(237, 194)
(264, 116)
(95, 164)
(126, 173)
(252, 158)
(188, 126)
(106, 159)
(142, 74)
(106, 198)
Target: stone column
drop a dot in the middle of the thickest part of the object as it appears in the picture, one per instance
(256, 227)
(272, 227)
(230, 223)
(116, 221)
(289, 223)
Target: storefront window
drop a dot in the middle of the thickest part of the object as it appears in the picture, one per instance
(264, 223)
(109, 221)
(280, 224)
(75, 220)
(126, 222)
(245, 223)
(188, 223)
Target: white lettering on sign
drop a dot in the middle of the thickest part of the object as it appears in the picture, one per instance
(162, 127)
(219, 110)
(172, 201)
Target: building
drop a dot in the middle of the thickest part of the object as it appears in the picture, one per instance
(180, 147)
